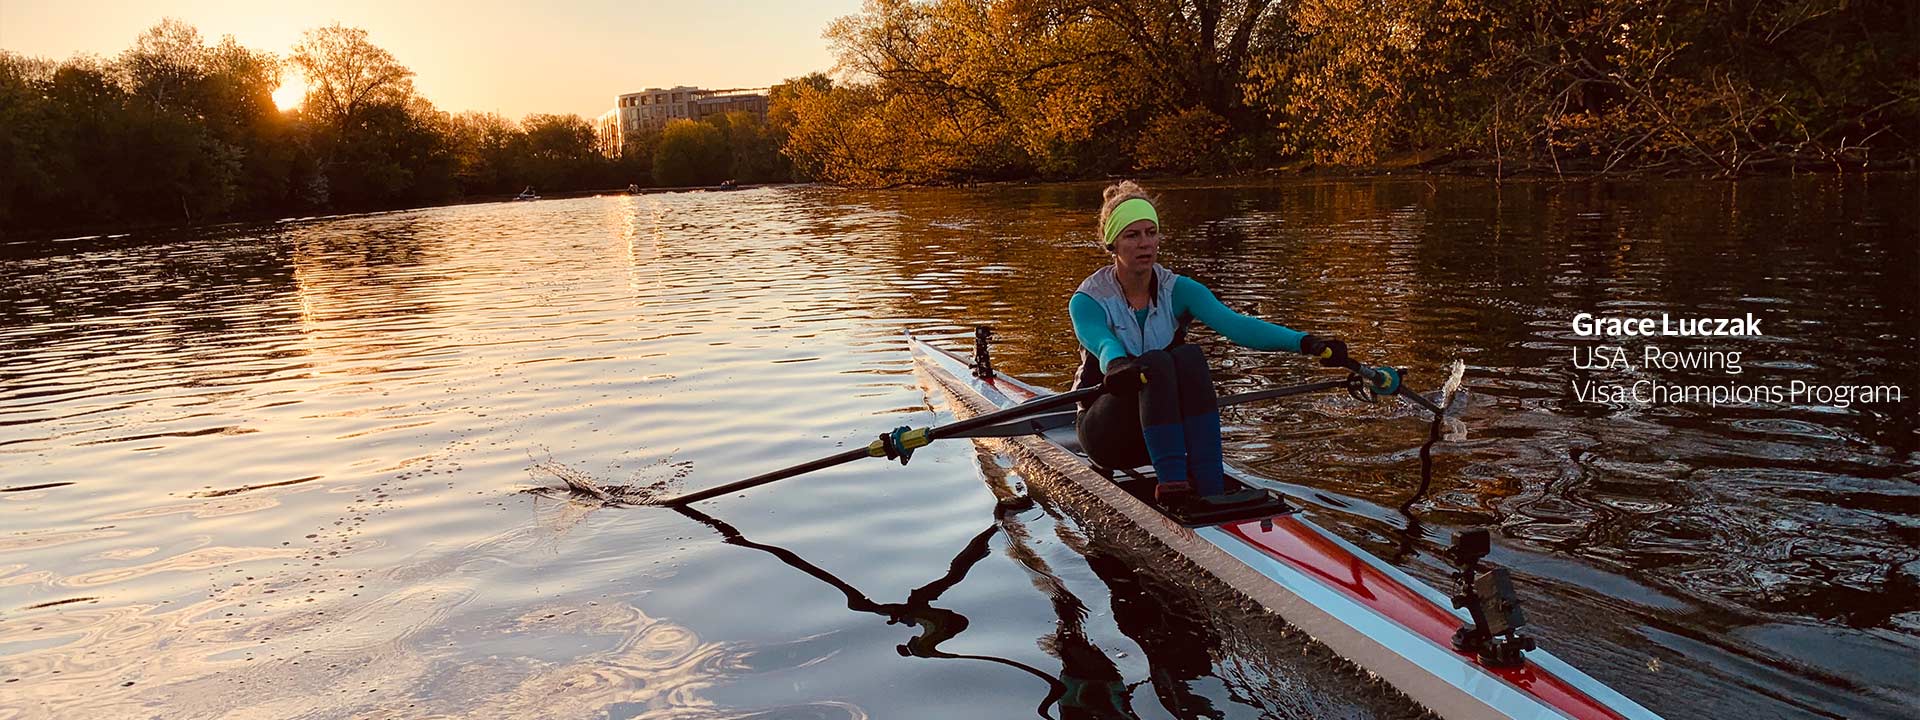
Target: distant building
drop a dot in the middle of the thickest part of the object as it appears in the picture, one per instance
(720, 102)
(654, 108)
(609, 135)
(651, 109)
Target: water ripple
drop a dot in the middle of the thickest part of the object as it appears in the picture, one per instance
(276, 471)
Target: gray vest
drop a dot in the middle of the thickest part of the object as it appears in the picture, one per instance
(1160, 331)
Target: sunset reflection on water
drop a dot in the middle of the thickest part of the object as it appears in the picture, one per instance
(278, 471)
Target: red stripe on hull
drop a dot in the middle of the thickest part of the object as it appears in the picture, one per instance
(1011, 390)
(1294, 543)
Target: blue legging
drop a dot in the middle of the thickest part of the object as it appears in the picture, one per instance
(1173, 424)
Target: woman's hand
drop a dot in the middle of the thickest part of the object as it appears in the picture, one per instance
(1125, 375)
(1332, 353)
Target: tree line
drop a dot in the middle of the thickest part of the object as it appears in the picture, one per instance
(962, 90)
(176, 130)
(937, 91)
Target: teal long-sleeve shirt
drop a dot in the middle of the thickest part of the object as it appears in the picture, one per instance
(1189, 298)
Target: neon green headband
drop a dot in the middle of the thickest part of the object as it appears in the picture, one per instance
(1127, 213)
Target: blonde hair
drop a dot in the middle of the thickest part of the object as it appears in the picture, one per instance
(1111, 198)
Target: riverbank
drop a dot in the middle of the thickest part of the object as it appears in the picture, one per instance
(1573, 169)
(1584, 169)
(1454, 166)
(1430, 163)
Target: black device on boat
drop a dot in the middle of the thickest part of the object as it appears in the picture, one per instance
(1494, 633)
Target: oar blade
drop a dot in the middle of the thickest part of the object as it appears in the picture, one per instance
(1456, 373)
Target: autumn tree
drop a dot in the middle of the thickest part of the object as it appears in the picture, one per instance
(1186, 141)
(1194, 52)
(1596, 85)
(958, 90)
(936, 113)
(782, 107)
(1001, 88)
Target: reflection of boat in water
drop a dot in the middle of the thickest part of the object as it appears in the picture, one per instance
(1089, 685)
(527, 194)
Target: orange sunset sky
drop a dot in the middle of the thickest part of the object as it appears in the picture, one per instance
(513, 58)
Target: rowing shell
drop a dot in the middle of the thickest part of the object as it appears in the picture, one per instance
(1369, 612)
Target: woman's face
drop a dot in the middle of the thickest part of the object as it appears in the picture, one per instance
(1137, 245)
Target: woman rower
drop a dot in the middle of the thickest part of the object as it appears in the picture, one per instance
(1131, 318)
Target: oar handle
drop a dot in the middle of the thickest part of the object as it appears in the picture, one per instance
(1385, 381)
(1029, 407)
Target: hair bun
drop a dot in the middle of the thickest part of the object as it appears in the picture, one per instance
(1123, 188)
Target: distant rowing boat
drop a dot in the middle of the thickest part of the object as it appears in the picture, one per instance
(1371, 613)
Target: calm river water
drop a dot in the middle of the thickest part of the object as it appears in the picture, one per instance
(284, 471)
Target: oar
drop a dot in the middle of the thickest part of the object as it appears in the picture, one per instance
(1007, 423)
(1386, 381)
(1455, 374)
(1041, 423)
(896, 444)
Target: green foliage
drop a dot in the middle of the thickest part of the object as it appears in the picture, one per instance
(753, 148)
(177, 131)
(391, 154)
(561, 150)
(486, 149)
(691, 153)
(731, 146)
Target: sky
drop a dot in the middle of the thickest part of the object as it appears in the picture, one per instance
(514, 58)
